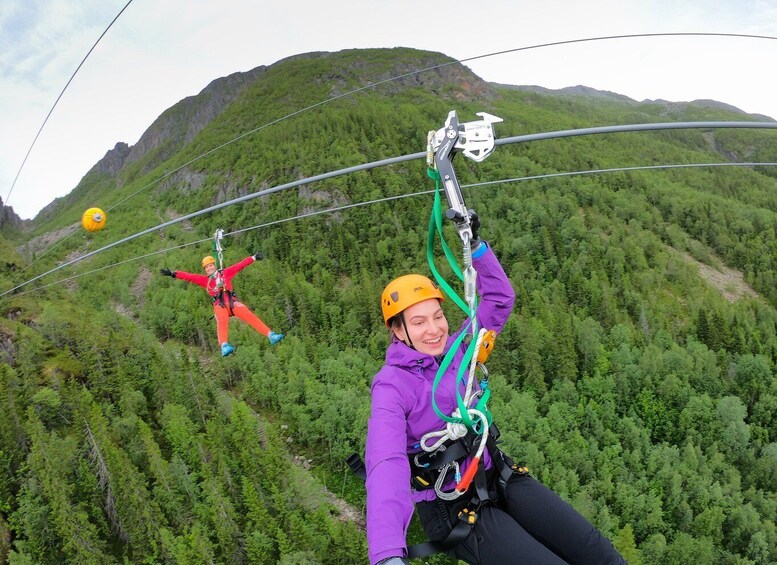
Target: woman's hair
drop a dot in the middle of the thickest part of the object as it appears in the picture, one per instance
(395, 321)
(393, 324)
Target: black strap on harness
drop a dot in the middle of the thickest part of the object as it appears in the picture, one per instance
(465, 521)
(425, 467)
(219, 299)
(356, 464)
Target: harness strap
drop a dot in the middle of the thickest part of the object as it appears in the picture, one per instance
(356, 465)
(464, 523)
(504, 465)
(453, 450)
(482, 492)
(219, 298)
(425, 549)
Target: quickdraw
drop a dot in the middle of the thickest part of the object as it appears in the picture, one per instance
(218, 249)
(476, 141)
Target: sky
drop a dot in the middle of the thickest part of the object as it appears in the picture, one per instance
(160, 51)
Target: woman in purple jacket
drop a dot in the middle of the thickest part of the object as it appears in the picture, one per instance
(529, 523)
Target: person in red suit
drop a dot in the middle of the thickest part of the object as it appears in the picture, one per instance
(225, 303)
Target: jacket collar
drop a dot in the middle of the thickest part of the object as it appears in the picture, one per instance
(400, 355)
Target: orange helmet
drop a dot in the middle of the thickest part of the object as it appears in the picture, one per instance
(207, 260)
(403, 292)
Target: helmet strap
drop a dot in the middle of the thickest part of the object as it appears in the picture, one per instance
(409, 342)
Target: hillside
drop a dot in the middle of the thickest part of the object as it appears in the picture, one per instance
(627, 378)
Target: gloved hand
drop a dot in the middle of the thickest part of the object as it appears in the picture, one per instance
(394, 561)
(258, 256)
(167, 272)
(474, 223)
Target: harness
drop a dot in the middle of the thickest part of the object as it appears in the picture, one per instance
(229, 303)
(428, 469)
(486, 488)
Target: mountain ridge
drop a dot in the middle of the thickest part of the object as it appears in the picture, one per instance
(179, 124)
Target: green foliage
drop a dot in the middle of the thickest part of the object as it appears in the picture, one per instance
(625, 380)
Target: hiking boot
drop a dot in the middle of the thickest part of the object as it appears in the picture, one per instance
(226, 349)
(274, 337)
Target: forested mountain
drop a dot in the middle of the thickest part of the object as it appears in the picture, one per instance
(636, 376)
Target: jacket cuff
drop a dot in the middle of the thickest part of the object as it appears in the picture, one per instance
(377, 558)
(481, 249)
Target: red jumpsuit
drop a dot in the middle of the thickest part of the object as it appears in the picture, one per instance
(219, 286)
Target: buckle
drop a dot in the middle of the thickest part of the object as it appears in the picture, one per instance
(419, 484)
(468, 516)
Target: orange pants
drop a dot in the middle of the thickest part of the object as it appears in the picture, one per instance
(239, 310)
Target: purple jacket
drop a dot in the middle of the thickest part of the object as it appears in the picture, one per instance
(402, 413)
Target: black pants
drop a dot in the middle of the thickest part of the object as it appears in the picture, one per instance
(532, 525)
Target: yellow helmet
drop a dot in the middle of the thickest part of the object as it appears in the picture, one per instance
(207, 260)
(403, 292)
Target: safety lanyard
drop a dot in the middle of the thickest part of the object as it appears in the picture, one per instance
(476, 141)
(435, 228)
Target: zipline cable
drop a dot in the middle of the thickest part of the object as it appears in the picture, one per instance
(215, 207)
(404, 158)
(256, 130)
(619, 169)
(399, 197)
(19, 172)
(404, 75)
(632, 128)
(620, 36)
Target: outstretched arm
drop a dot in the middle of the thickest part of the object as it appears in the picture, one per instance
(200, 280)
(230, 271)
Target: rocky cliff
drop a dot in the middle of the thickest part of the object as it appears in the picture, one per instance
(8, 218)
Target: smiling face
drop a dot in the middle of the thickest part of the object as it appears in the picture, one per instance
(426, 326)
(210, 268)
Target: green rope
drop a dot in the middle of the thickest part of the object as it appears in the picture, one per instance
(435, 227)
